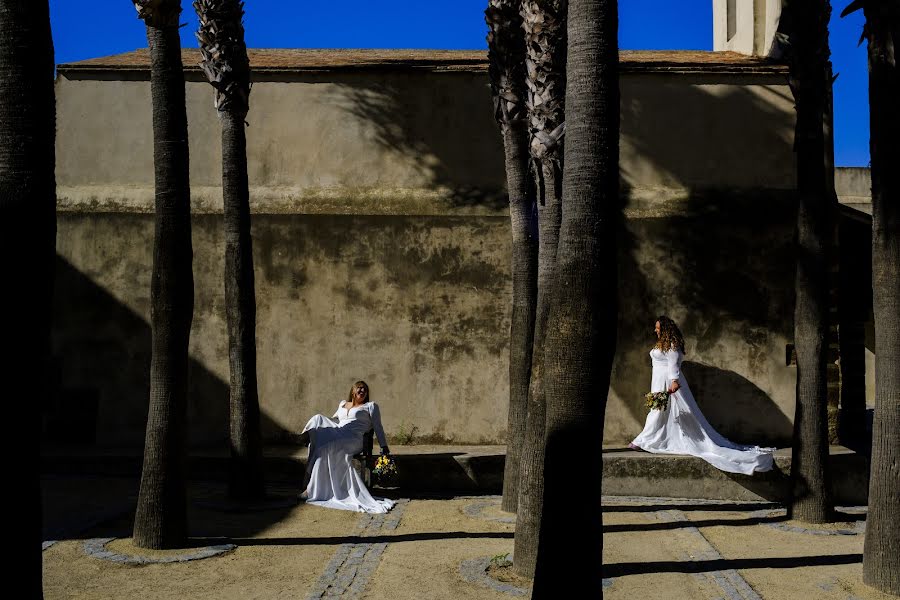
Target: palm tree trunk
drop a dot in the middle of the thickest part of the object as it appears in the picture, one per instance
(810, 78)
(506, 55)
(881, 561)
(246, 482)
(580, 344)
(545, 42)
(161, 517)
(27, 245)
(227, 67)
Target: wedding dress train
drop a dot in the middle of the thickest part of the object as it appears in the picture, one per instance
(682, 428)
(333, 482)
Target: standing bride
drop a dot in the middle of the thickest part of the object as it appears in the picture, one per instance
(682, 428)
(331, 481)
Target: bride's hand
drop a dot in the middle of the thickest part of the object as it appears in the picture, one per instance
(674, 387)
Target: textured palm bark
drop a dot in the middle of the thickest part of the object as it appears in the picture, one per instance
(27, 244)
(580, 343)
(544, 23)
(810, 80)
(506, 56)
(881, 561)
(227, 67)
(161, 517)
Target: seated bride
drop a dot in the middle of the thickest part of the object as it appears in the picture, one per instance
(330, 479)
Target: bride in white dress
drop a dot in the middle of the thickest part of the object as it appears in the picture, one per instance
(331, 480)
(682, 428)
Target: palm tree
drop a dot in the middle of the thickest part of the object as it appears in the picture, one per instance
(881, 563)
(810, 80)
(27, 244)
(544, 22)
(227, 67)
(579, 347)
(161, 517)
(506, 57)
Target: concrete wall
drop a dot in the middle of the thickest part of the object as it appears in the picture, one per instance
(382, 252)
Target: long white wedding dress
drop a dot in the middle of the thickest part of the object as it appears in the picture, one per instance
(682, 428)
(333, 483)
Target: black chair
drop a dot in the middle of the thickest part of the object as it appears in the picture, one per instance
(362, 462)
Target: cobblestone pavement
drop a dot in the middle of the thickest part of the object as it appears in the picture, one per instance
(353, 565)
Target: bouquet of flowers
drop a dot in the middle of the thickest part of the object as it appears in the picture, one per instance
(385, 471)
(657, 400)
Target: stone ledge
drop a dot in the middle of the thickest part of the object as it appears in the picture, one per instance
(458, 470)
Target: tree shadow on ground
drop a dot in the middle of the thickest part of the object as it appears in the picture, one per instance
(725, 564)
(705, 507)
(376, 539)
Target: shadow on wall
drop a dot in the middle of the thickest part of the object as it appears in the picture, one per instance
(719, 261)
(431, 131)
(101, 360)
(733, 405)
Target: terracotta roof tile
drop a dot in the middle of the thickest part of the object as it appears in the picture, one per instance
(304, 60)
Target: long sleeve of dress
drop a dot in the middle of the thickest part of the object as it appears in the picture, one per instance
(376, 424)
(337, 413)
(674, 357)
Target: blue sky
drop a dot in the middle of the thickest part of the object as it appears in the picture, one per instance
(112, 26)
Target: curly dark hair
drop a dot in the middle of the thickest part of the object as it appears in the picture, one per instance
(356, 386)
(669, 335)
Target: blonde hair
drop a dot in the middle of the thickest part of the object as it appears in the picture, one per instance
(356, 386)
(670, 337)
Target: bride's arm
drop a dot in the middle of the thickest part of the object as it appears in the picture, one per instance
(379, 430)
(673, 371)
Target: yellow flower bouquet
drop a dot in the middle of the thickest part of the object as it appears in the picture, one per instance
(385, 471)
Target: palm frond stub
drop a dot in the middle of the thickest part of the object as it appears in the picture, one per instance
(225, 62)
(158, 13)
(506, 60)
(544, 22)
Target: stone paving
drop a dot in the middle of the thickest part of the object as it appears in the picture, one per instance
(353, 565)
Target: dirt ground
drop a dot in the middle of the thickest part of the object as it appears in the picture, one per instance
(653, 549)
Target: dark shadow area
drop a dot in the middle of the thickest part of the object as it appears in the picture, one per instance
(773, 485)
(95, 415)
(101, 352)
(856, 329)
(732, 404)
(101, 358)
(618, 450)
(724, 564)
(449, 472)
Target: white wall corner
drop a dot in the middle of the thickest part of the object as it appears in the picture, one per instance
(745, 26)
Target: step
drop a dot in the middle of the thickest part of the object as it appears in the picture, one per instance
(479, 470)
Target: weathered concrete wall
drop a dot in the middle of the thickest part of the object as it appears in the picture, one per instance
(382, 252)
(415, 306)
(418, 307)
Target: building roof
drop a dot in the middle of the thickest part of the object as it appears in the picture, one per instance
(308, 60)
